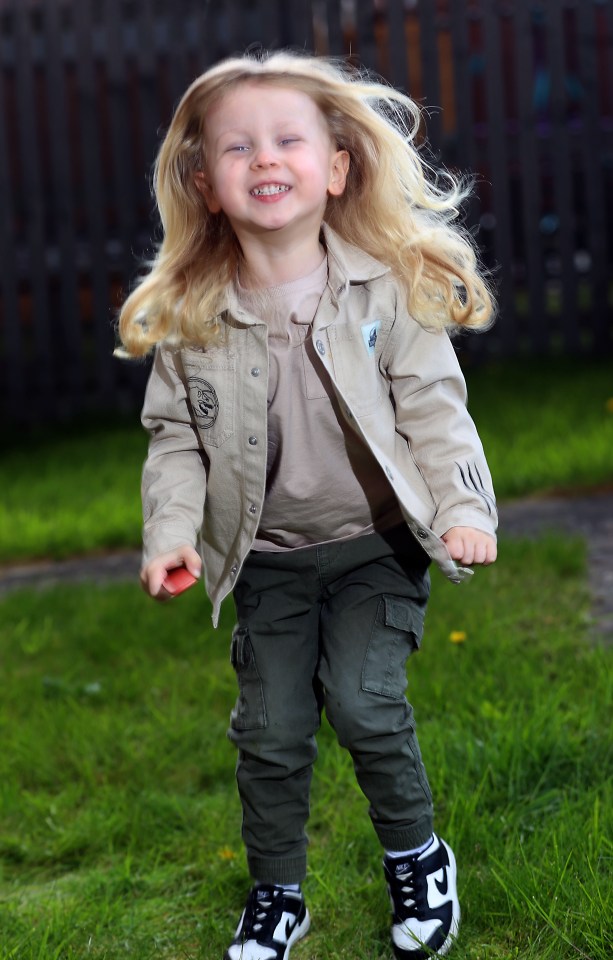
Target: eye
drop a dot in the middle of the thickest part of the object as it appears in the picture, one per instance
(237, 148)
(287, 140)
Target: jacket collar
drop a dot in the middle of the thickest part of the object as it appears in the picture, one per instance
(347, 265)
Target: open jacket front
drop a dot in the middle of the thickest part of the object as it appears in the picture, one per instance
(400, 388)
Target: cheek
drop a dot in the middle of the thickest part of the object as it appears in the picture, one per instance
(317, 171)
(224, 186)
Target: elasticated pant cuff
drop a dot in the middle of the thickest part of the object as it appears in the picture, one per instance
(273, 870)
(405, 838)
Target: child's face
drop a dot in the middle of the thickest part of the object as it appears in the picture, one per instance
(270, 161)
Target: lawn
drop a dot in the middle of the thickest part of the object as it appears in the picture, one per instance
(119, 832)
(119, 820)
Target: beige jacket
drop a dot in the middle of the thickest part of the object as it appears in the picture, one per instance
(400, 388)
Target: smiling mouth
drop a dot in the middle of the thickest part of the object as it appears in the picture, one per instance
(269, 190)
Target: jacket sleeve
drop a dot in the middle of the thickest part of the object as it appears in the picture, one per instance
(429, 393)
(175, 471)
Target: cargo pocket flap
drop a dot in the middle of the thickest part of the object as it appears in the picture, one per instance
(404, 615)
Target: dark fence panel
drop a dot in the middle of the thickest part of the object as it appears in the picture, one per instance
(518, 93)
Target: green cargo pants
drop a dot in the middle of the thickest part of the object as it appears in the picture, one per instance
(328, 626)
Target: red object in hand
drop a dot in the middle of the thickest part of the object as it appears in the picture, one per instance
(178, 580)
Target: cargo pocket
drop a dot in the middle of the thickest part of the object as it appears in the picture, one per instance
(396, 634)
(249, 711)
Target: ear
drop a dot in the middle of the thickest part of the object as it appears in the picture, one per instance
(339, 169)
(203, 186)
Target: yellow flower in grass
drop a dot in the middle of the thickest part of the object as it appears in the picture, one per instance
(609, 405)
(226, 853)
(458, 636)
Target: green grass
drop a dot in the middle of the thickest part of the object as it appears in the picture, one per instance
(544, 426)
(71, 491)
(119, 820)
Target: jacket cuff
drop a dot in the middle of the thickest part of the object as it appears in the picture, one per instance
(162, 538)
(467, 518)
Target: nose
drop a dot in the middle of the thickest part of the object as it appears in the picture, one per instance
(264, 156)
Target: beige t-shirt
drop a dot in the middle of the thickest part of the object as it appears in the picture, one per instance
(322, 483)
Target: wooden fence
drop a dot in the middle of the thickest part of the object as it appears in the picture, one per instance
(518, 92)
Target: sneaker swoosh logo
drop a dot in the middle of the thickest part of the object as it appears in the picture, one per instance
(289, 926)
(442, 885)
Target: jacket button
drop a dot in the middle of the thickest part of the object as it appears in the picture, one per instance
(253, 508)
(253, 441)
(234, 569)
(422, 534)
(255, 371)
(320, 347)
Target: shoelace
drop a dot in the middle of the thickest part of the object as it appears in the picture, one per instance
(410, 894)
(408, 889)
(261, 915)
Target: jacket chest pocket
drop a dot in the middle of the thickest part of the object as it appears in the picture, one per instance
(211, 386)
(356, 369)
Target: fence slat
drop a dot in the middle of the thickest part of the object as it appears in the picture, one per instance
(430, 72)
(149, 107)
(68, 319)
(609, 21)
(298, 25)
(94, 202)
(593, 172)
(42, 377)
(498, 170)
(560, 158)
(398, 72)
(177, 51)
(204, 34)
(365, 30)
(14, 374)
(336, 44)
(122, 192)
(462, 151)
(235, 20)
(537, 324)
(274, 28)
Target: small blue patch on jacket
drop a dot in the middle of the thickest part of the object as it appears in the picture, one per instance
(369, 335)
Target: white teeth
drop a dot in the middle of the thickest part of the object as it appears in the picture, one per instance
(269, 189)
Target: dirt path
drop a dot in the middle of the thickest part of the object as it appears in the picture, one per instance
(590, 517)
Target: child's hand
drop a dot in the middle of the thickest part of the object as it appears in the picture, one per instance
(467, 545)
(152, 576)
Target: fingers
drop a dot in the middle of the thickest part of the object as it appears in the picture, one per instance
(469, 546)
(152, 575)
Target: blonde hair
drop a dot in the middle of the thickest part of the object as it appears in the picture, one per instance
(395, 207)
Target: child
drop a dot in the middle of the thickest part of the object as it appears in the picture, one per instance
(308, 426)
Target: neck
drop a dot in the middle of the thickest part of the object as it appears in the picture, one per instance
(269, 265)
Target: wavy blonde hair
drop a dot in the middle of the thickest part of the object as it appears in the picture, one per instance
(395, 206)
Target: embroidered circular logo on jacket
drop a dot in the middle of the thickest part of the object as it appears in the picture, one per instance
(204, 401)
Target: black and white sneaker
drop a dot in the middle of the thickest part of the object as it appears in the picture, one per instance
(272, 921)
(425, 907)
